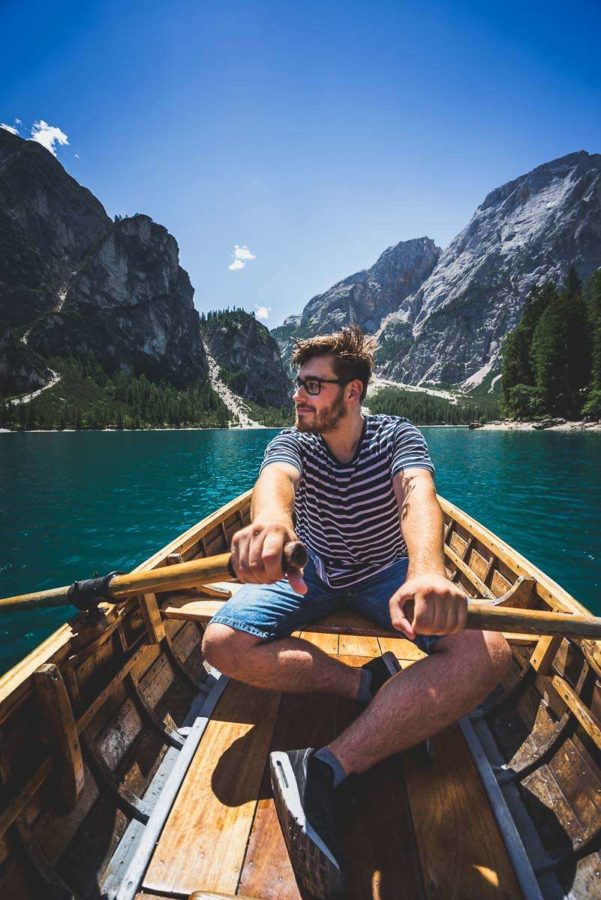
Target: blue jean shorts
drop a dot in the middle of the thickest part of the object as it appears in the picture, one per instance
(271, 611)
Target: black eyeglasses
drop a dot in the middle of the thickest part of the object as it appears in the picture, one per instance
(313, 385)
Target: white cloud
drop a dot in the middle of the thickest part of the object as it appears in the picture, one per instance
(240, 257)
(9, 127)
(243, 252)
(18, 121)
(77, 156)
(48, 135)
(262, 312)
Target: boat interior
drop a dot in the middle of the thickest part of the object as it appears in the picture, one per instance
(131, 769)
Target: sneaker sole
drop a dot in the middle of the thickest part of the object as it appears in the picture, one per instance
(312, 861)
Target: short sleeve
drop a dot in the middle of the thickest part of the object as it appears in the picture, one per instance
(285, 447)
(410, 450)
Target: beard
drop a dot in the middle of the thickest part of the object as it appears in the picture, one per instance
(327, 419)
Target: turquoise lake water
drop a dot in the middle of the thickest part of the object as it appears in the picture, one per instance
(78, 503)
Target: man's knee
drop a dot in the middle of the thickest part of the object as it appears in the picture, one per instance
(487, 651)
(224, 647)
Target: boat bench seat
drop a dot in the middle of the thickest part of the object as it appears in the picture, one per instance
(195, 608)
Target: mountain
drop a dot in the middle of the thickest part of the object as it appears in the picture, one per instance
(365, 297)
(248, 357)
(530, 230)
(441, 316)
(75, 283)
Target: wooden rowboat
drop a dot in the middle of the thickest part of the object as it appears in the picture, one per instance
(131, 770)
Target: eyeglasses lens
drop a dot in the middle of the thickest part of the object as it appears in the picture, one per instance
(311, 385)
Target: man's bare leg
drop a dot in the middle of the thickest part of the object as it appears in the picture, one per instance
(289, 664)
(425, 698)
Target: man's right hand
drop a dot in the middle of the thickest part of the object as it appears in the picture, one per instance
(257, 552)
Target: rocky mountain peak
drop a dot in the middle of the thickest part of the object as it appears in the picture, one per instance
(365, 297)
(525, 232)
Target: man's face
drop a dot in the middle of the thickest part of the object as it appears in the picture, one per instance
(321, 413)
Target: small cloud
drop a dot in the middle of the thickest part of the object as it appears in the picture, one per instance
(48, 135)
(9, 127)
(262, 312)
(77, 156)
(18, 122)
(240, 257)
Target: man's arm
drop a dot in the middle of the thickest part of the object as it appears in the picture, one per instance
(257, 549)
(440, 607)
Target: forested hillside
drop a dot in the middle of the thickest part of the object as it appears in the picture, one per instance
(552, 359)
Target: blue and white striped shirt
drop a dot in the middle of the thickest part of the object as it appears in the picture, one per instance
(347, 513)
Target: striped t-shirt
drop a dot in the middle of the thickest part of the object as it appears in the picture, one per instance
(347, 513)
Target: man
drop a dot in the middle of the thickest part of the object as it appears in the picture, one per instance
(361, 492)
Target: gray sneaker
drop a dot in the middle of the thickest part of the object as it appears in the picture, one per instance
(306, 802)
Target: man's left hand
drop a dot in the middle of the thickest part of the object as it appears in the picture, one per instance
(439, 606)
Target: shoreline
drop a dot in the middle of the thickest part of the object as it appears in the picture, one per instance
(505, 425)
(509, 425)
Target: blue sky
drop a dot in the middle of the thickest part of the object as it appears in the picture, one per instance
(315, 134)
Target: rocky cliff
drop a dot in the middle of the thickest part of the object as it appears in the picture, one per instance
(528, 231)
(366, 297)
(248, 357)
(72, 282)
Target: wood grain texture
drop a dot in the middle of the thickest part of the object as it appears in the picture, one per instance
(203, 843)
(460, 847)
(355, 645)
(326, 642)
(402, 648)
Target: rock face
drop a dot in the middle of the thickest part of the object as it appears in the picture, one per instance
(248, 356)
(528, 231)
(130, 305)
(72, 282)
(366, 297)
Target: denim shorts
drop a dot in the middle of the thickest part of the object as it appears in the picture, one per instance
(272, 611)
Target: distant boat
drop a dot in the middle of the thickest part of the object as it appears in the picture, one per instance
(131, 770)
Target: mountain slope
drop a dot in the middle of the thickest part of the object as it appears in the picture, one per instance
(529, 230)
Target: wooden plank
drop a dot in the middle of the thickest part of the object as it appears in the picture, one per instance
(461, 850)
(203, 843)
(191, 608)
(354, 645)
(578, 708)
(326, 642)
(152, 618)
(402, 648)
(61, 731)
(544, 653)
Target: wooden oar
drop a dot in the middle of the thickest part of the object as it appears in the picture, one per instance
(482, 615)
(485, 616)
(116, 587)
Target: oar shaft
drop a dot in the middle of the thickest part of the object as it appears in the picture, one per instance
(485, 617)
(167, 578)
(173, 578)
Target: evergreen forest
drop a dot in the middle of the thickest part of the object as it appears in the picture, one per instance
(552, 359)
(425, 409)
(87, 397)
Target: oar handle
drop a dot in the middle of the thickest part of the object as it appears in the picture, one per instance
(294, 558)
(482, 615)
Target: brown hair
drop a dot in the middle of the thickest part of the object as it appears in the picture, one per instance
(353, 353)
